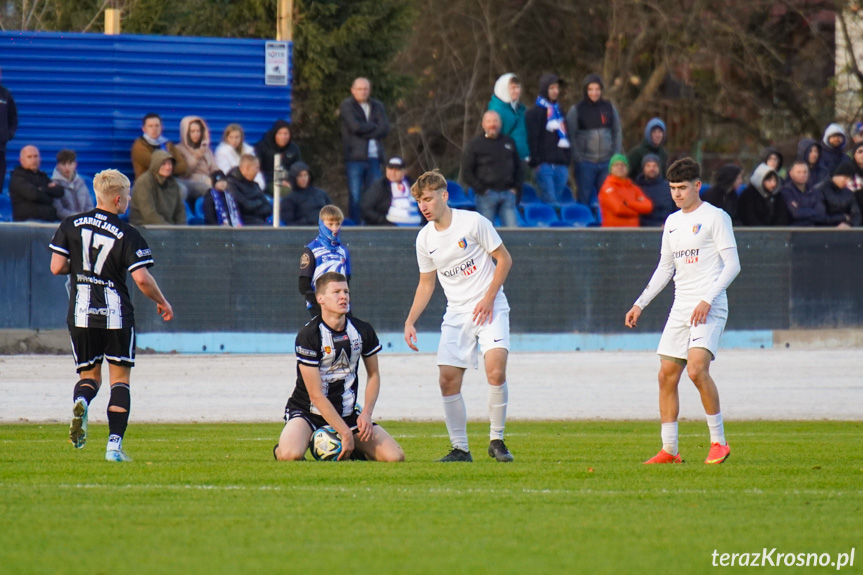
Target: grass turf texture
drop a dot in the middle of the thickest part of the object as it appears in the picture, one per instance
(211, 499)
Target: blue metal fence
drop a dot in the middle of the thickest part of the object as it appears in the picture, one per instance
(88, 92)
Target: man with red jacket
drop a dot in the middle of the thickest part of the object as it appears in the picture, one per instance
(621, 202)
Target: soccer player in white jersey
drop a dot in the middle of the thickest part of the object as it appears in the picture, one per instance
(699, 251)
(458, 246)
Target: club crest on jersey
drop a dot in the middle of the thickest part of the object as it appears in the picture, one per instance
(695, 229)
(462, 243)
(328, 349)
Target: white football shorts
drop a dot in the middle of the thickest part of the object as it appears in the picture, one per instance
(679, 335)
(461, 339)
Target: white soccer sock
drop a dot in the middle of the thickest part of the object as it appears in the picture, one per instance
(455, 413)
(115, 443)
(717, 430)
(669, 438)
(498, 396)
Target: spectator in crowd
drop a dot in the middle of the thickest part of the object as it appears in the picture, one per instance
(491, 166)
(8, 127)
(323, 254)
(150, 141)
(364, 126)
(200, 162)
(156, 197)
(809, 152)
(723, 193)
(505, 101)
(621, 202)
(243, 185)
(656, 188)
(654, 141)
(302, 206)
(231, 148)
(760, 203)
(594, 126)
(833, 148)
(277, 142)
(856, 132)
(841, 209)
(31, 191)
(220, 209)
(547, 141)
(389, 201)
(76, 197)
(774, 160)
(856, 183)
(805, 208)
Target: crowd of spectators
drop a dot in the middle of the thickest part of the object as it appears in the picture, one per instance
(234, 184)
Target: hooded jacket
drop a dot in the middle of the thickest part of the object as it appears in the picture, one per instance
(303, 205)
(723, 194)
(200, 161)
(32, 195)
(621, 203)
(830, 156)
(817, 173)
(511, 118)
(253, 204)
(758, 207)
(839, 204)
(769, 151)
(659, 192)
(357, 130)
(636, 154)
(266, 149)
(594, 127)
(142, 153)
(156, 200)
(76, 197)
(542, 143)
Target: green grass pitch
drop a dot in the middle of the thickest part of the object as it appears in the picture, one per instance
(211, 499)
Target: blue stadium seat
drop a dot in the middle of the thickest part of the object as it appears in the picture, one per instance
(5, 208)
(576, 215)
(458, 198)
(191, 218)
(348, 223)
(199, 208)
(539, 215)
(528, 194)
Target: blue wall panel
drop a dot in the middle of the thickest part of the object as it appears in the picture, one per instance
(88, 92)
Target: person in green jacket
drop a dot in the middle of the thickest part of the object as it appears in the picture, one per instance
(505, 101)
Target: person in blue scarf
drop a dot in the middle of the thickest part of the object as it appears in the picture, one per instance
(219, 206)
(548, 142)
(323, 254)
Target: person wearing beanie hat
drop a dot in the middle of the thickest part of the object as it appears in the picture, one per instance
(841, 207)
(621, 202)
(654, 185)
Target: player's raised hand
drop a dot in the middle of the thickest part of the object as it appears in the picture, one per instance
(411, 337)
(632, 316)
(347, 445)
(364, 426)
(165, 310)
(699, 314)
(483, 311)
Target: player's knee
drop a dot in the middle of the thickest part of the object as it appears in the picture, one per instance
(392, 454)
(496, 376)
(121, 398)
(289, 454)
(698, 374)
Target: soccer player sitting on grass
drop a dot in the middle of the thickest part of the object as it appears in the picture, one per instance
(328, 350)
(458, 247)
(96, 249)
(323, 254)
(699, 251)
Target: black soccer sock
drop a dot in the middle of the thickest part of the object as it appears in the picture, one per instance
(86, 388)
(118, 420)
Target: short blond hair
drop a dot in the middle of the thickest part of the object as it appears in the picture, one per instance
(247, 159)
(432, 180)
(331, 211)
(108, 184)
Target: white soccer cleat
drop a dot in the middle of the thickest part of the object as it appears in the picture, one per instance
(78, 428)
(116, 455)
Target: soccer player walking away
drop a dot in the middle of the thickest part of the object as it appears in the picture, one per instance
(96, 249)
(328, 350)
(699, 251)
(459, 246)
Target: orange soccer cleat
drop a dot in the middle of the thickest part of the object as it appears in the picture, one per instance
(718, 453)
(664, 457)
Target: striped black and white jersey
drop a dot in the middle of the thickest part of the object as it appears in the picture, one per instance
(336, 354)
(101, 250)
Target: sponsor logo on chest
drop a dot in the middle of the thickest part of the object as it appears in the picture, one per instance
(464, 269)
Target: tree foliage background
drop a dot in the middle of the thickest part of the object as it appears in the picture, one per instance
(728, 77)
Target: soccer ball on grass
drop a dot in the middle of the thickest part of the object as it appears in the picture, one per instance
(326, 444)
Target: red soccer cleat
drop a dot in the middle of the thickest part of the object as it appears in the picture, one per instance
(664, 457)
(718, 454)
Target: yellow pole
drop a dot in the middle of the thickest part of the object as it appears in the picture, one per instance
(112, 19)
(285, 21)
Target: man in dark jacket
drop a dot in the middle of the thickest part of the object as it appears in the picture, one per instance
(156, 197)
(491, 166)
(653, 143)
(594, 126)
(303, 205)
(31, 191)
(364, 126)
(809, 152)
(723, 193)
(8, 127)
(761, 203)
(548, 142)
(655, 187)
(254, 206)
(805, 208)
(839, 203)
(277, 143)
(833, 149)
(389, 201)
